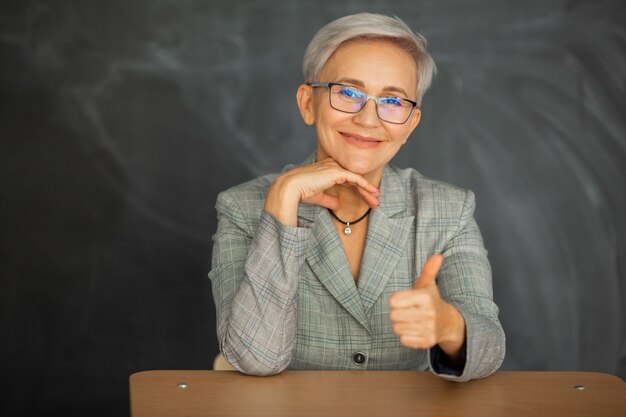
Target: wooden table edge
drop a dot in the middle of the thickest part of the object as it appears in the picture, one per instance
(147, 373)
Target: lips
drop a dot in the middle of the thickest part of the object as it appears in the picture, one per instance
(364, 142)
(359, 138)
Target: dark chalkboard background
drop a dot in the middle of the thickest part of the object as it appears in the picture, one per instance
(121, 121)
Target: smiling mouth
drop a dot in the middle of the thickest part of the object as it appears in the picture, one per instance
(360, 138)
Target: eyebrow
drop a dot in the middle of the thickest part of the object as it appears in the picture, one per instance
(360, 83)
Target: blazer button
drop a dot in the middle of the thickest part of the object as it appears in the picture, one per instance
(358, 358)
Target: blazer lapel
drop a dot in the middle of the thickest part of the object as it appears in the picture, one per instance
(387, 236)
(327, 259)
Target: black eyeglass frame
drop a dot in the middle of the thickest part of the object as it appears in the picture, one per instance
(367, 97)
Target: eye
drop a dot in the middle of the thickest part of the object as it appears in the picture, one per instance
(350, 93)
(391, 101)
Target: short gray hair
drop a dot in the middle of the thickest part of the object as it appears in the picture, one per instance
(374, 27)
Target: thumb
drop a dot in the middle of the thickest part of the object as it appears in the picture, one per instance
(429, 271)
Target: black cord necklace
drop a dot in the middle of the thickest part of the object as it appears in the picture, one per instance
(347, 230)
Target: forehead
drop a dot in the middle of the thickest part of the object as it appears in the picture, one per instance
(376, 63)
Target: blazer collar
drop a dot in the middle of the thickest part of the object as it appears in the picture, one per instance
(393, 194)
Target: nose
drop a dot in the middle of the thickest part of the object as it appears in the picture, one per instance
(368, 115)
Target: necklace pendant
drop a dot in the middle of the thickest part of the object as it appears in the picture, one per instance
(347, 230)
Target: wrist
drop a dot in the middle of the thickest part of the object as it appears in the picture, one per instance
(282, 203)
(453, 334)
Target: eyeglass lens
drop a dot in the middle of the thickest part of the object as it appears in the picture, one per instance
(352, 100)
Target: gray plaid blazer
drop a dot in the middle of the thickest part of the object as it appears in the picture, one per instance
(286, 299)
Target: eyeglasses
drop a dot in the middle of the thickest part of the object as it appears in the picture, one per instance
(348, 99)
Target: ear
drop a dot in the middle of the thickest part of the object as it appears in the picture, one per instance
(413, 121)
(415, 118)
(304, 97)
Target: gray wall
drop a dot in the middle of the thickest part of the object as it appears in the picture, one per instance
(121, 121)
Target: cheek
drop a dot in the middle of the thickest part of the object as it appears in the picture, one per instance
(328, 120)
(400, 134)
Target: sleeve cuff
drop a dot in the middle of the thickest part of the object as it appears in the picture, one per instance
(440, 364)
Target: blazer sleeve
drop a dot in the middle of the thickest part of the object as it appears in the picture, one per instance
(254, 276)
(465, 282)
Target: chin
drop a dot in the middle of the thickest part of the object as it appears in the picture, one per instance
(360, 167)
(356, 162)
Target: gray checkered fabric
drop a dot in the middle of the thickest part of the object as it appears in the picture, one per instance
(286, 299)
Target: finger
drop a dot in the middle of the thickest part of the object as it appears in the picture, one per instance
(429, 271)
(369, 198)
(310, 184)
(418, 342)
(411, 315)
(414, 329)
(409, 298)
(403, 315)
(415, 342)
(358, 180)
(314, 179)
(336, 175)
(408, 329)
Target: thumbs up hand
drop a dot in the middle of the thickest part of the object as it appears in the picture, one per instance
(423, 319)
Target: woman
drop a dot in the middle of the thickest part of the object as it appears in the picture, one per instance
(332, 264)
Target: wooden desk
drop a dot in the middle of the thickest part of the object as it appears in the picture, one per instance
(315, 393)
